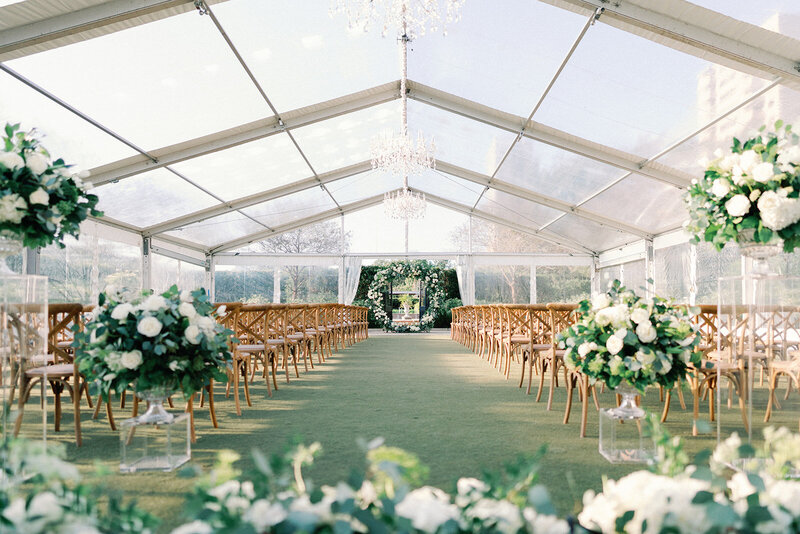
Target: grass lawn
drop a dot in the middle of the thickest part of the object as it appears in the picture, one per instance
(421, 392)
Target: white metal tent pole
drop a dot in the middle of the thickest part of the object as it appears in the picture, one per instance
(147, 264)
(649, 269)
(533, 285)
(594, 280)
(340, 288)
(276, 285)
(692, 274)
(210, 277)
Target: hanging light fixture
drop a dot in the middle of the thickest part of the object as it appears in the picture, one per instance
(394, 153)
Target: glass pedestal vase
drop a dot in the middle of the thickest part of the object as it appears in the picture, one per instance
(159, 446)
(624, 436)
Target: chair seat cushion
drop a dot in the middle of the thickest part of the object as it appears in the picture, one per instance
(256, 347)
(61, 369)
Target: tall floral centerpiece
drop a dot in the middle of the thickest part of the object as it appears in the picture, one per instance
(750, 195)
(41, 200)
(629, 343)
(155, 345)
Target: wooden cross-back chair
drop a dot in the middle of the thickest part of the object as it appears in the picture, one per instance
(538, 329)
(249, 330)
(57, 367)
(297, 317)
(277, 336)
(515, 333)
(785, 360)
(318, 331)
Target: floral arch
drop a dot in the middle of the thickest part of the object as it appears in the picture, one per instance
(430, 275)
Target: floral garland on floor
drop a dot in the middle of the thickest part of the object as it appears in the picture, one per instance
(429, 274)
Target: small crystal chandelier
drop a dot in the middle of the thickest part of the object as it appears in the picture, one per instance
(394, 153)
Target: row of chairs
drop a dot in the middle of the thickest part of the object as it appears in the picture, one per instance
(266, 337)
(526, 334)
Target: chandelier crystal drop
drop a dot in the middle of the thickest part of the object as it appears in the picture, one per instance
(404, 204)
(410, 17)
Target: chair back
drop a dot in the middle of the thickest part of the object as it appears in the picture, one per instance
(562, 316)
(60, 320)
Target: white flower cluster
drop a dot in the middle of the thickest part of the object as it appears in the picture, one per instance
(46, 513)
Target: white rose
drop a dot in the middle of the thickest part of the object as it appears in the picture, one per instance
(614, 344)
(748, 160)
(763, 172)
(205, 323)
(174, 365)
(505, 516)
(600, 301)
(646, 358)
(46, 506)
(154, 303)
(39, 196)
(195, 527)
(646, 332)
(11, 160)
(584, 349)
(186, 296)
(790, 155)
(640, 315)
(12, 208)
(37, 163)
(727, 163)
(721, 187)
(466, 486)
(428, 508)
(737, 175)
(149, 327)
(132, 359)
(121, 311)
(738, 206)
(187, 309)
(192, 334)
(264, 514)
(621, 333)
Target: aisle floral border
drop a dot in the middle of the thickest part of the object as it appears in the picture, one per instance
(429, 274)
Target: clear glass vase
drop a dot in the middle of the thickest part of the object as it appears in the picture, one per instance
(758, 252)
(155, 397)
(627, 408)
(624, 435)
(10, 245)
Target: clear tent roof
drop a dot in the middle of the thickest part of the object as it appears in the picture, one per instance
(575, 126)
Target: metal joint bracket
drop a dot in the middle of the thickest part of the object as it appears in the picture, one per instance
(597, 12)
(201, 7)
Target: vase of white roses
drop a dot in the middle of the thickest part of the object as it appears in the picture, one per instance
(154, 344)
(750, 195)
(42, 200)
(629, 343)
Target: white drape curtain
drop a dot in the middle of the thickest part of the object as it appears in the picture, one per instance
(352, 273)
(464, 273)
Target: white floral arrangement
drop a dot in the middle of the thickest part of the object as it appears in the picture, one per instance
(152, 341)
(778, 454)
(702, 498)
(383, 499)
(41, 201)
(623, 338)
(751, 193)
(43, 494)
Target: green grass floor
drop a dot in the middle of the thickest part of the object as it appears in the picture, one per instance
(421, 392)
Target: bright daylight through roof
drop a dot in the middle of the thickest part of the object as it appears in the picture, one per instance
(399, 266)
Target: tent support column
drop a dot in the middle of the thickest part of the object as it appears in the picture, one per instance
(210, 276)
(533, 284)
(649, 269)
(147, 265)
(276, 285)
(594, 277)
(692, 274)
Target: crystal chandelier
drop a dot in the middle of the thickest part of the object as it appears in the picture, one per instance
(415, 17)
(398, 154)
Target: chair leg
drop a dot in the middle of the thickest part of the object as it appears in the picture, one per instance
(190, 410)
(211, 409)
(665, 411)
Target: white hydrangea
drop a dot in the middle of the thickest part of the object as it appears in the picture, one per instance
(748, 160)
(264, 514)
(501, 514)
(153, 303)
(600, 301)
(12, 208)
(544, 524)
(616, 316)
(777, 211)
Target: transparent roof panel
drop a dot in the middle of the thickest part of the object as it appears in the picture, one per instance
(491, 237)
(590, 234)
(630, 93)
(292, 46)
(154, 84)
(150, 198)
(247, 169)
(371, 231)
(485, 52)
(64, 134)
(760, 13)
(460, 141)
(347, 139)
(777, 103)
(555, 172)
(218, 230)
(516, 209)
(643, 202)
(361, 186)
(292, 207)
(447, 186)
